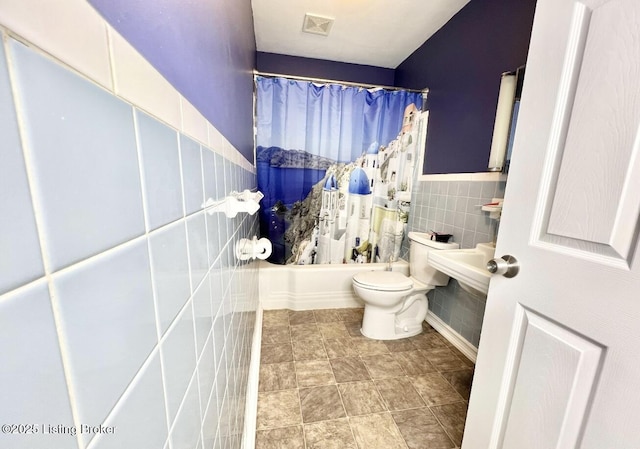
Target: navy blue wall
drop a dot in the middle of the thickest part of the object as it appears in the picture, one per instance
(461, 65)
(205, 48)
(320, 68)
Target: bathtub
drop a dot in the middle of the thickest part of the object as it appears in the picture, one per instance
(306, 287)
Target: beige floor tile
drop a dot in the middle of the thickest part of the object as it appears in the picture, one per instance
(351, 314)
(414, 362)
(377, 431)
(277, 376)
(326, 315)
(349, 369)
(428, 340)
(366, 346)
(272, 318)
(460, 381)
(403, 344)
(281, 438)
(329, 435)
(278, 409)
(333, 330)
(301, 332)
(444, 360)
(353, 328)
(276, 353)
(361, 398)
(321, 404)
(312, 373)
(275, 335)
(398, 393)
(452, 417)
(340, 348)
(301, 317)
(309, 350)
(421, 429)
(434, 389)
(382, 366)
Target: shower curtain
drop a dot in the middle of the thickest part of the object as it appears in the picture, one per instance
(335, 164)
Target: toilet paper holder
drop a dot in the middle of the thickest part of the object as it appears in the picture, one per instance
(255, 248)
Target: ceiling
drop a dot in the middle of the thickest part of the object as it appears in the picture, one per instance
(380, 33)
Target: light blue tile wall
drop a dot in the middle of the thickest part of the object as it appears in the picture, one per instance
(454, 207)
(121, 300)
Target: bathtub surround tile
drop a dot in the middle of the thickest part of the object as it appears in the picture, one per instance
(329, 435)
(434, 389)
(31, 375)
(170, 267)
(383, 366)
(301, 317)
(84, 159)
(277, 376)
(361, 398)
(188, 423)
(139, 417)
(460, 381)
(349, 369)
(398, 393)
(198, 257)
(414, 362)
(340, 348)
(377, 431)
(160, 161)
(192, 184)
(277, 353)
(20, 259)
(206, 375)
(452, 417)
(421, 430)
(202, 315)
(321, 404)
(313, 373)
(108, 322)
(281, 438)
(278, 409)
(275, 335)
(209, 174)
(333, 331)
(309, 350)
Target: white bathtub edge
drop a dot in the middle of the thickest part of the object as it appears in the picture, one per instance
(452, 336)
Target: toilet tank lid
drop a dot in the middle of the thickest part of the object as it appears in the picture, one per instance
(425, 239)
(388, 280)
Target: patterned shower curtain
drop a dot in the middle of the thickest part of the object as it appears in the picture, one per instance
(335, 164)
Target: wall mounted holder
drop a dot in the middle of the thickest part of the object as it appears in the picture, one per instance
(245, 201)
(253, 249)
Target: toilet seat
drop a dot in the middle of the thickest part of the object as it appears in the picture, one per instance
(388, 281)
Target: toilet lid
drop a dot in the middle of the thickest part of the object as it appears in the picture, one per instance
(383, 280)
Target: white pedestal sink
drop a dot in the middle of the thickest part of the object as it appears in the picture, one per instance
(467, 266)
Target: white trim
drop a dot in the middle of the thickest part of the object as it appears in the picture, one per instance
(311, 301)
(481, 176)
(253, 379)
(452, 336)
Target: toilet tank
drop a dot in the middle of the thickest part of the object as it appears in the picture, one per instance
(420, 244)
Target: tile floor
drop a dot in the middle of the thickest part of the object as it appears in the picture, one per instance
(323, 385)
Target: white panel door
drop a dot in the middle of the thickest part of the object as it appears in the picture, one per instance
(559, 358)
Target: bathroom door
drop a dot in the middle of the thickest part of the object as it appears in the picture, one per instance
(559, 358)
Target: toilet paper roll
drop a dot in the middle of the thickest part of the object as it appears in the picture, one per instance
(262, 249)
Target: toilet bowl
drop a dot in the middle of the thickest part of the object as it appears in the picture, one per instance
(395, 304)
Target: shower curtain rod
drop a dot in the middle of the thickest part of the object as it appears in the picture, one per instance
(346, 83)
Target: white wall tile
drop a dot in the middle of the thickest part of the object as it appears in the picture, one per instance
(20, 258)
(72, 31)
(160, 161)
(202, 314)
(178, 360)
(186, 429)
(198, 254)
(170, 268)
(210, 424)
(83, 156)
(139, 418)
(193, 122)
(138, 82)
(215, 234)
(206, 374)
(210, 174)
(32, 383)
(216, 140)
(108, 322)
(192, 183)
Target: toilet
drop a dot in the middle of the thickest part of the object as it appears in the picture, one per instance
(395, 304)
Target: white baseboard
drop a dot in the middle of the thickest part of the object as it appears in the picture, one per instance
(452, 336)
(251, 404)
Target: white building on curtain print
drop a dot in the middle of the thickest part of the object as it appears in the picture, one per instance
(330, 245)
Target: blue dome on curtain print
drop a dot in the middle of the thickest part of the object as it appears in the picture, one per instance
(359, 182)
(331, 183)
(373, 148)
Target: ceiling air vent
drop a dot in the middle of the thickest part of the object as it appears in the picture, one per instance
(317, 24)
